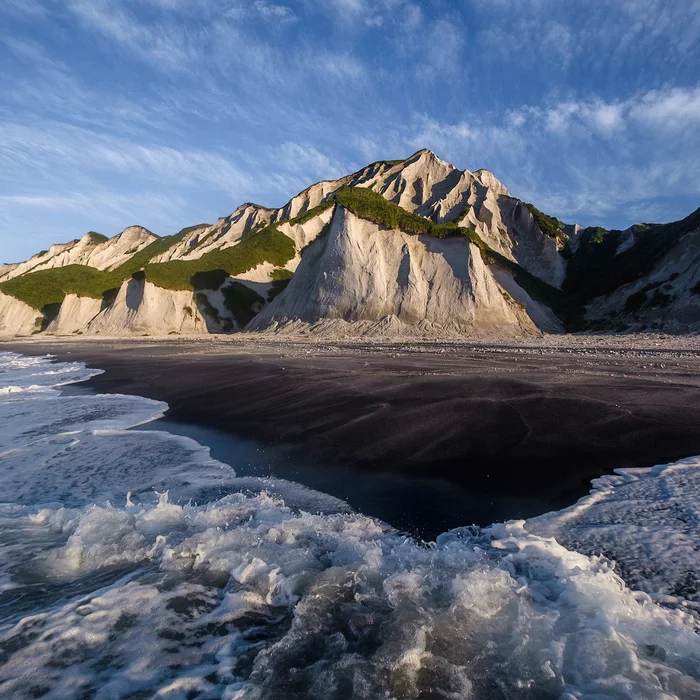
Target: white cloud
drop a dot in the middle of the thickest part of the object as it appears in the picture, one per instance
(281, 13)
(580, 159)
(164, 44)
(674, 108)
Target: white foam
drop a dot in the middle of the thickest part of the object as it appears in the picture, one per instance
(648, 521)
(242, 592)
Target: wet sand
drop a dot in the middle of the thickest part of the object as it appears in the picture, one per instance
(526, 422)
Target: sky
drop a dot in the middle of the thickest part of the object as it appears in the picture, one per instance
(167, 113)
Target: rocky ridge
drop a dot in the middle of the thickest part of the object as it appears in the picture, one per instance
(449, 253)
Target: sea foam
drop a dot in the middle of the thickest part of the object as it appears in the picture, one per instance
(132, 564)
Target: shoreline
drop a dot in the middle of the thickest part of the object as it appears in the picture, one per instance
(503, 421)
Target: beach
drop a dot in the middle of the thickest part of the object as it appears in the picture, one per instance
(528, 422)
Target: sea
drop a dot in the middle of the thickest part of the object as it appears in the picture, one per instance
(135, 565)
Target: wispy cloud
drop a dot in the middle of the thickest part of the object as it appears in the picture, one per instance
(590, 109)
(72, 149)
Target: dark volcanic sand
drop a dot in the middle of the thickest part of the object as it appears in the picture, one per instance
(525, 427)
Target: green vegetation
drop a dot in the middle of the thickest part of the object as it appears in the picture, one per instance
(280, 274)
(209, 311)
(597, 234)
(190, 229)
(96, 238)
(44, 287)
(549, 225)
(145, 255)
(463, 214)
(280, 279)
(370, 205)
(208, 279)
(597, 268)
(659, 299)
(635, 302)
(267, 245)
(308, 215)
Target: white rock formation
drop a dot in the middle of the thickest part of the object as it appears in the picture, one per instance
(141, 308)
(224, 233)
(363, 275)
(17, 318)
(410, 286)
(117, 250)
(74, 315)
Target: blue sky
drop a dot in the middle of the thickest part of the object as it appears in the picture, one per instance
(167, 113)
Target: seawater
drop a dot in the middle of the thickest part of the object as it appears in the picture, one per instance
(133, 565)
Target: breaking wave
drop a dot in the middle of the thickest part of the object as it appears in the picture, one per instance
(133, 565)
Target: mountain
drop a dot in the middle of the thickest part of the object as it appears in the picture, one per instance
(412, 247)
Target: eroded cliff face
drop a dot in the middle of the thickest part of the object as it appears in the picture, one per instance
(141, 308)
(360, 278)
(423, 184)
(17, 318)
(74, 315)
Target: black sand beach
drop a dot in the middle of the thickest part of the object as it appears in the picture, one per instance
(531, 425)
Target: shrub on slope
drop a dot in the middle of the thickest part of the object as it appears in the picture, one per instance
(97, 238)
(367, 204)
(549, 225)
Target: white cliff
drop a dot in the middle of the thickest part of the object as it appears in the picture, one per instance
(17, 318)
(360, 275)
(141, 308)
(74, 315)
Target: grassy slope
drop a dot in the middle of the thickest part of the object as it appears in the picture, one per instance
(39, 289)
(45, 287)
(369, 205)
(97, 238)
(266, 245)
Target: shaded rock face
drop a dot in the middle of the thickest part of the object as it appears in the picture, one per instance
(667, 298)
(360, 274)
